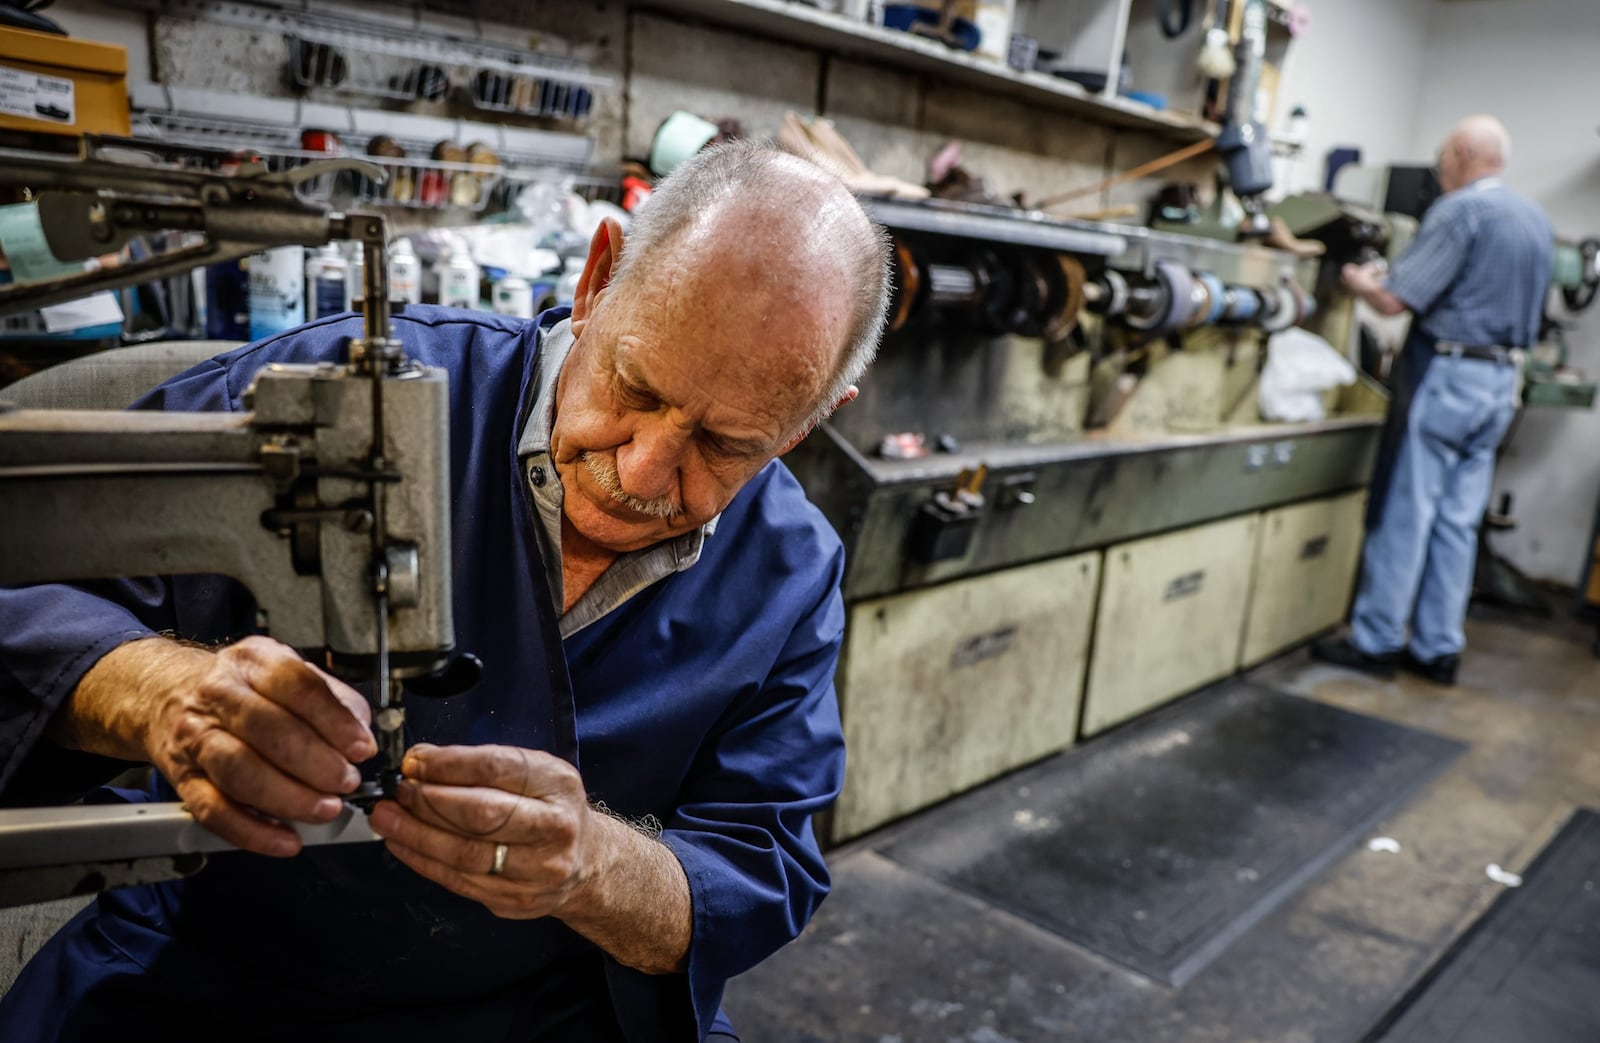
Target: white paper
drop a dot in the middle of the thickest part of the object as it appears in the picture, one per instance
(1502, 876)
(97, 309)
(36, 97)
(27, 250)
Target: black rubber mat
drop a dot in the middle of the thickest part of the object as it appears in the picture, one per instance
(1174, 835)
(1529, 969)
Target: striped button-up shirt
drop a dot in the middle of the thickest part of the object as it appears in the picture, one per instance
(1479, 267)
(630, 572)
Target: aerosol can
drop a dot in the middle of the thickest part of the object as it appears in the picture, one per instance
(325, 275)
(458, 280)
(405, 273)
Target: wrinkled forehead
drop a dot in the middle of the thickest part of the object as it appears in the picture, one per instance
(742, 312)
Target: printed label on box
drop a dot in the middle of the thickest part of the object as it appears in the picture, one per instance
(37, 97)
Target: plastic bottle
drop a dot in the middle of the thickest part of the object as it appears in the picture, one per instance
(513, 296)
(567, 285)
(405, 273)
(277, 290)
(458, 279)
(325, 275)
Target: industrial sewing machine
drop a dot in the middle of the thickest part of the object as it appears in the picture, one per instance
(329, 500)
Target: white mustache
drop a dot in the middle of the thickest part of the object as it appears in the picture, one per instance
(604, 471)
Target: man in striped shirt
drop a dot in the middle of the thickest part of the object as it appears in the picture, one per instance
(1474, 280)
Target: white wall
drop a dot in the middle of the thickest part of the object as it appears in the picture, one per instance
(108, 24)
(1358, 76)
(1531, 63)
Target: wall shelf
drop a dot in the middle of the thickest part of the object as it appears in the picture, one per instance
(795, 23)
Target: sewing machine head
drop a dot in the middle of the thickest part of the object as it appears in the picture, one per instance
(329, 500)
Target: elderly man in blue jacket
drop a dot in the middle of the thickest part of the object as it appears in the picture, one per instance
(618, 818)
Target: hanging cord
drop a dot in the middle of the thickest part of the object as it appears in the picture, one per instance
(1175, 17)
(24, 14)
(1143, 170)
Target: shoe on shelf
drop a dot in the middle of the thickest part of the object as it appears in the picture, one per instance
(1340, 651)
(1440, 671)
(818, 141)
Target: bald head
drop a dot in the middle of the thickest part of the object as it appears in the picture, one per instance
(774, 226)
(1478, 147)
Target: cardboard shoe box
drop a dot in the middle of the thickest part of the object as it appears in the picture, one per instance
(56, 85)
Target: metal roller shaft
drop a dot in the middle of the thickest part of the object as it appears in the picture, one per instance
(954, 284)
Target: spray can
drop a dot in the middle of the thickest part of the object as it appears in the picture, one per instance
(405, 273)
(513, 296)
(228, 300)
(458, 281)
(325, 273)
(277, 290)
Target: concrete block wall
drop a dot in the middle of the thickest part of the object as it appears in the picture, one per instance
(659, 63)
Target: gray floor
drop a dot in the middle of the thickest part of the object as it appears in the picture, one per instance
(894, 957)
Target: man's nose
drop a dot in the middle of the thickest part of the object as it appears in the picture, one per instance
(648, 464)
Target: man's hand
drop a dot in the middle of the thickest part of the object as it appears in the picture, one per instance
(1359, 279)
(1366, 282)
(244, 733)
(457, 804)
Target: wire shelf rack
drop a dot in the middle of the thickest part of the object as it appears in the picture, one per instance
(496, 161)
(403, 62)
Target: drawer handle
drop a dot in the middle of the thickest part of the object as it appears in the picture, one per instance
(1314, 548)
(1185, 585)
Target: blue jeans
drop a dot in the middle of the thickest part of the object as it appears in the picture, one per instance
(1417, 564)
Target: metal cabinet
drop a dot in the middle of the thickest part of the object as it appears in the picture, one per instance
(947, 687)
(1305, 567)
(1171, 611)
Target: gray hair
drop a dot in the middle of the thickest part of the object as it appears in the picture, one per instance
(718, 176)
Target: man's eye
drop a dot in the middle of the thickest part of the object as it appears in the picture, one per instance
(725, 451)
(634, 398)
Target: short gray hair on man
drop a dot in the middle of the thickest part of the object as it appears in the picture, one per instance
(720, 175)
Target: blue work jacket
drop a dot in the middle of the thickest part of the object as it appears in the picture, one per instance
(706, 701)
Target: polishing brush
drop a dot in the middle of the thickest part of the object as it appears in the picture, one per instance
(1216, 57)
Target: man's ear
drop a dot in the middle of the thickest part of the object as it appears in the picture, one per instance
(605, 249)
(849, 395)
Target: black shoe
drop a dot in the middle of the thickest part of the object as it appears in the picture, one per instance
(1439, 671)
(1341, 652)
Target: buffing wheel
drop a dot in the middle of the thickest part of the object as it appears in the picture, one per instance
(1066, 319)
(1284, 310)
(907, 284)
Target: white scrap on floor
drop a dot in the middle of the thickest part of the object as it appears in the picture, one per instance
(1389, 844)
(1503, 876)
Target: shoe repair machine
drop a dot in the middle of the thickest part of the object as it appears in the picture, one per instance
(1059, 506)
(329, 499)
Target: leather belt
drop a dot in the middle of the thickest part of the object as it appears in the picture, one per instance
(1484, 352)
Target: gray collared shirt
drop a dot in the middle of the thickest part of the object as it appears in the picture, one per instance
(630, 572)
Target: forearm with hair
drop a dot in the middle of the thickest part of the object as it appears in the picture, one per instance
(636, 905)
(110, 711)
